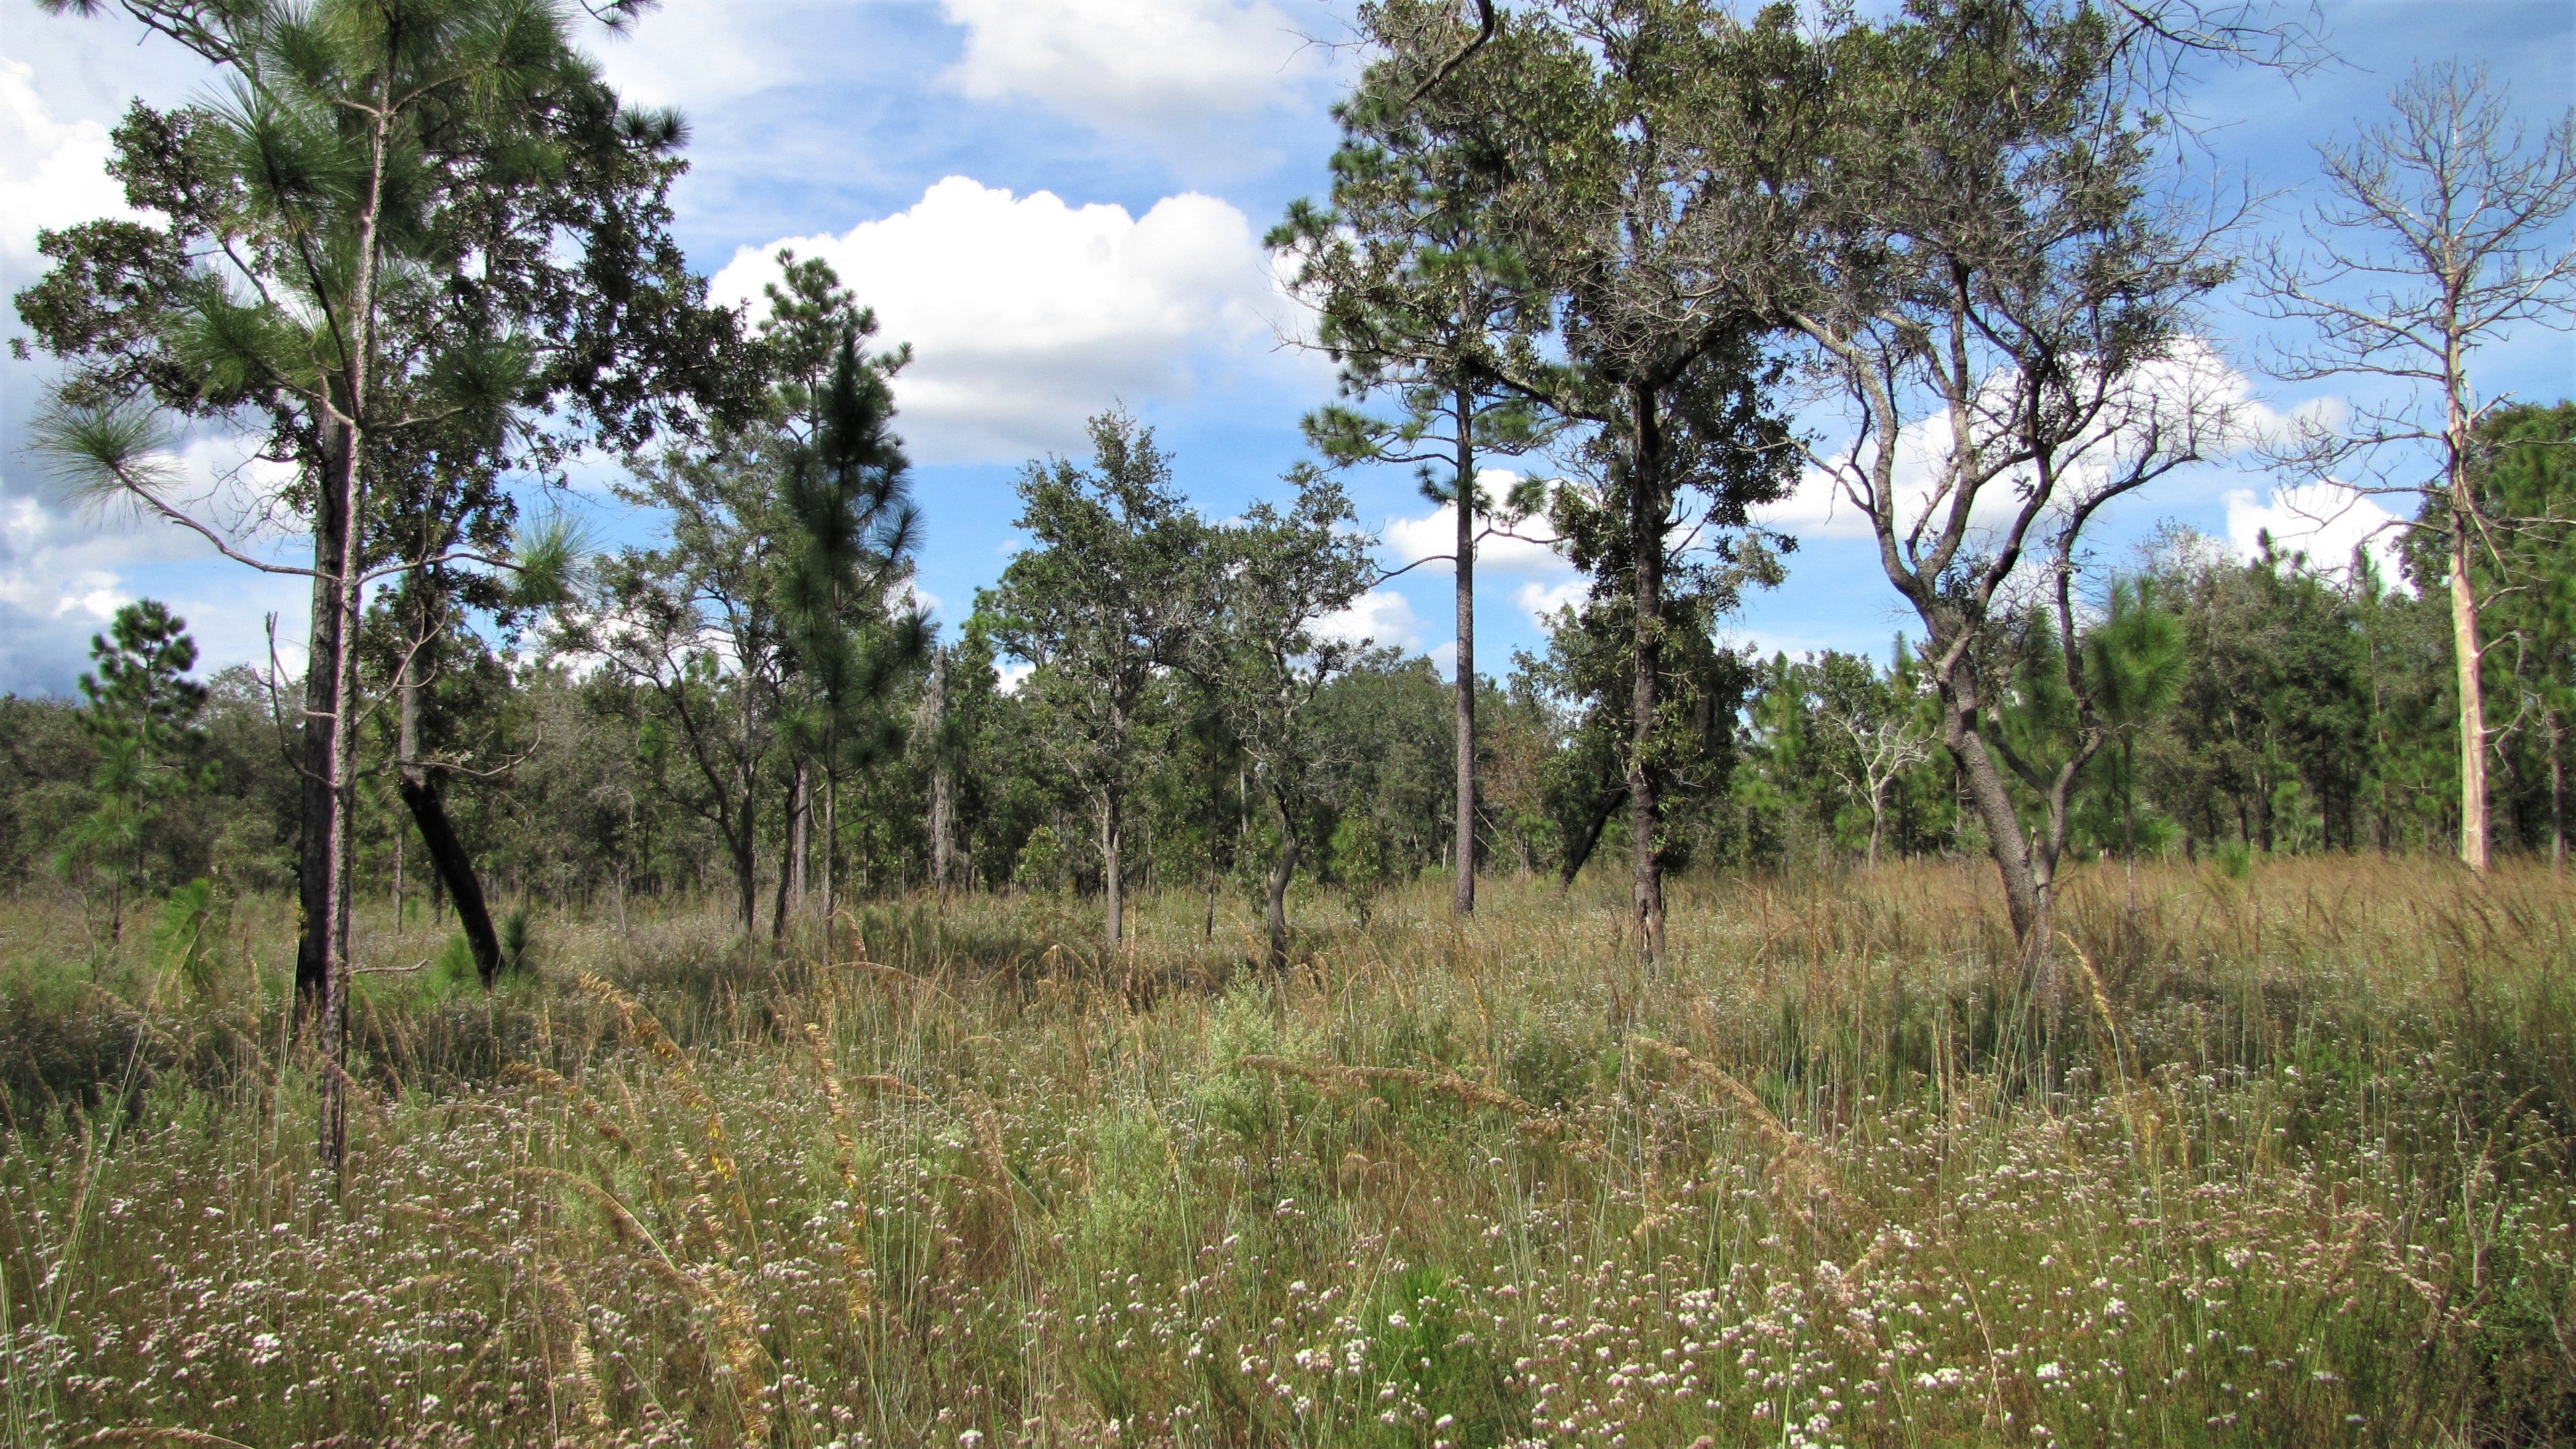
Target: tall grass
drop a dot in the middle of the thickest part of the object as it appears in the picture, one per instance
(2271, 1160)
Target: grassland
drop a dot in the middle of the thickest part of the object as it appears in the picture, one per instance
(2279, 1159)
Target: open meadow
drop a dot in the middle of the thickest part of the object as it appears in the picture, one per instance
(2271, 1159)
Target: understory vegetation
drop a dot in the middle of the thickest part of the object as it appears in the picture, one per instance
(2275, 1153)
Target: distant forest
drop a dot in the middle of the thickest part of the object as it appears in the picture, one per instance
(2290, 707)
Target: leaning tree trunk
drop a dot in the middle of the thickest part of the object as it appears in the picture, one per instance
(421, 795)
(1579, 850)
(1463, 897)
(1992, 800)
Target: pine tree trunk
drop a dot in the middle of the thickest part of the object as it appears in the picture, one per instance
(1646, 508)
(2557, 796)
(1463, 897)
(831, 836)
(2473, 719)
(1113, 932)
(746, 885)
(801, 847)
(321, 714)
(346, 588)
(786, 873)
(940, 784)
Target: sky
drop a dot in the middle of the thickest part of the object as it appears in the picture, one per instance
(1060, 205)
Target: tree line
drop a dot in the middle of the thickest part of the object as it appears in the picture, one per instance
(2267, 706)
(1690, 256)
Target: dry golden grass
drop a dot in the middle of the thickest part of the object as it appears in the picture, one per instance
(2273, 1160)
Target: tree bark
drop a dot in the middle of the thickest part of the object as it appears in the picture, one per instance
(347, 590)
(2473, 721)
(2557, 797)
(1463, 897)
(831, 837)
(746, 885)
(786, 872)
(800, 847)
(941, 786)
(1111, 825)
(1646, 508)
(1992, 800)
(321, 715)
(1281, 872)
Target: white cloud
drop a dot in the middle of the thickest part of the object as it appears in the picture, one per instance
(1542, 601)
(1547, 582)
(52, 173)
(1134, 65)
(705, 52)
(1381, 616)
(1528, 549)
(65, 571)
(1028, 315)
(2196, 389)
(2324, 520)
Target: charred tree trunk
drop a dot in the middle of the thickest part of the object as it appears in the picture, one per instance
(800, 844)
(1579, 850)
(321, 714)
(1463, 897)
(420, 794)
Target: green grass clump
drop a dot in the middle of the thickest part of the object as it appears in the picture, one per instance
(2271, 1157)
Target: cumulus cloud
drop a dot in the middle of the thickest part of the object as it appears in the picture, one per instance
(1544, 601)
(1546, 582)
(65, 571)
(705, 52)
(1027, 314)
(2325, 520)
(1381, 616)
(1136, 66)
(1429, 540)
(2195, 390)
(52, 172)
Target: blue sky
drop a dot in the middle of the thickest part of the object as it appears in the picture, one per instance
(1060, 204)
